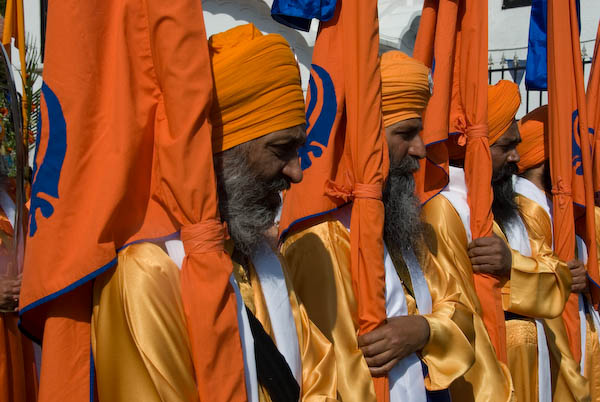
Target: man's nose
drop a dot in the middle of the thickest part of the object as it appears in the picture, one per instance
(513, 156)
(292, 170)
(417, 147)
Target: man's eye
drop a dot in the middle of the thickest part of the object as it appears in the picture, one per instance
(283, 151)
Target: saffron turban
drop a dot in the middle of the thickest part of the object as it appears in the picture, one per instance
(504, 100)
(257, 86)
(404, 87)
(533, 148)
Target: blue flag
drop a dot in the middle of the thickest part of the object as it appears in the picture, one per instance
(536, 70)
(298, 14)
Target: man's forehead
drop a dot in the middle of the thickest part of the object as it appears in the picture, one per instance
(510, 136)
(413, 123)
(296, 133)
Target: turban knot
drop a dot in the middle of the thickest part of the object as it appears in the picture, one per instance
(257, 86)
(404, 87)
(533, 148)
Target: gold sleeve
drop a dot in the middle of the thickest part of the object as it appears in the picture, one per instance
(447, 242)
(487, 379)
(539, 285)
(448, 354)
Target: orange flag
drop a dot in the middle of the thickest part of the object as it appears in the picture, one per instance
(593, 102)
(345, 157)
(125, 155)
(593, 107)
(570, 149)
(452, 39)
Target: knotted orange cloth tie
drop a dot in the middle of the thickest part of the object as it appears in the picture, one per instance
(348, 192)
(210, 309)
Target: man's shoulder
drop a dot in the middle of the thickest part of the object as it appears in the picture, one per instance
(439, 210)
(327, 228)
(144, 254)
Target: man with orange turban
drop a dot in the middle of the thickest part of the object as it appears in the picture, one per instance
(533, 186)
(427, 323)
(141, 348)
(535, 284)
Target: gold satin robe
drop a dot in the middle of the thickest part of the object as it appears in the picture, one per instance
(319, 264)
(139, 338)
(538, 287)
(568, 384)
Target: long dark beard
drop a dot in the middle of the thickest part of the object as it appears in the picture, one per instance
(248, 203)
(403, 227)
(504, 207)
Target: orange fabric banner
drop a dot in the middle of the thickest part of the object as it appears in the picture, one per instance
(593, 102)
(345, 157)
(570, 149)
(452, 39)
(125, 155)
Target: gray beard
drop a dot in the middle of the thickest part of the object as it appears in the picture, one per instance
(403, 227)
(247, 203)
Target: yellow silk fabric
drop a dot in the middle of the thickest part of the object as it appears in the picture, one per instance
(592, 359)
(319, 264)
(318, 359)
(139, 338)
(570, 385)
(522, 353)
(488, 379)
(140, 342)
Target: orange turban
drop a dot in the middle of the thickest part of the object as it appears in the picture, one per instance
(257, 86)
(533, 148)
(504, 100)
(404, 87)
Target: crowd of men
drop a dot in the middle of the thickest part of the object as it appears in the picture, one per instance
(288, 322)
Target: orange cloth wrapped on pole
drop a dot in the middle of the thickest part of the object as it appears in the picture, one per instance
(345, 158)
(452, 39)
(125, 155)
(436, 40)
(570, 156)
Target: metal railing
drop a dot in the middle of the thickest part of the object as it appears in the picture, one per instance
(514, 70)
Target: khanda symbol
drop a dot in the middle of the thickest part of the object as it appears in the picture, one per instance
(320, 131)
(46, 179)
(577, 160)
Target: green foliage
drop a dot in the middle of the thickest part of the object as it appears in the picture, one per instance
(32, 104)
